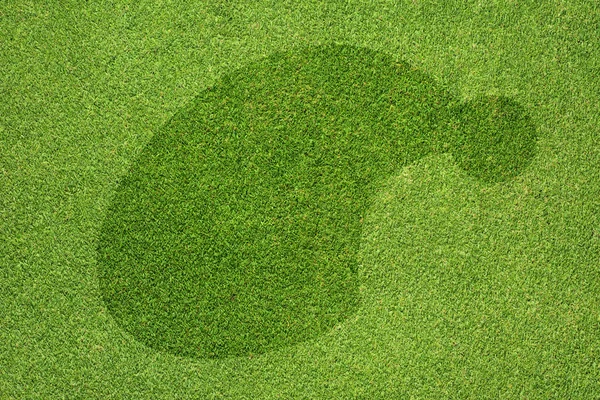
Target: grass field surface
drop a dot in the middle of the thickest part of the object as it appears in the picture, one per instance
(310, 200)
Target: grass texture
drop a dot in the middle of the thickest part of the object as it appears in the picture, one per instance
(237, 230)
(299, 200)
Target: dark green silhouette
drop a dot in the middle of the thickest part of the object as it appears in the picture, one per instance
(236, 231)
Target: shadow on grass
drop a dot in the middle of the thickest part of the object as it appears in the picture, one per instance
(236, 231)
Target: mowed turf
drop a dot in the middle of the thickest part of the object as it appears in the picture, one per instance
(476, 274)
(237, 229)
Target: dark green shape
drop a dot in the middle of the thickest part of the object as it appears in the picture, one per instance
(496, 138)
(236, 230)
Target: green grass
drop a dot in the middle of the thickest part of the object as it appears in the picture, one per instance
(317, 200)
(237, 230)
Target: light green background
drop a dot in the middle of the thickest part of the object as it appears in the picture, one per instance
(85, 86)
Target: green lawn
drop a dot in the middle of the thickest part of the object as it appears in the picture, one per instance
(309, 200)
